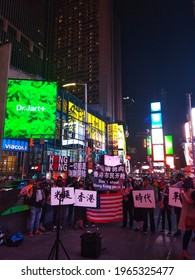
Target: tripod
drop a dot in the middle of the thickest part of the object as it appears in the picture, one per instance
(54, 254)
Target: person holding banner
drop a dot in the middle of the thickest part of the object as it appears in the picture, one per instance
(148, 211)
(163, 193)
(73, 184)
(138, 211)
(128, 205)
(188, 209)
(179, 182)
(79, 211)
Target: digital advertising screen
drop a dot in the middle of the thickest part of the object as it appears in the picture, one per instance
(149, 145)
(168, 145)
(158, 152)
(157, 136)
(155, 106)
(156, 120)
(30, 109)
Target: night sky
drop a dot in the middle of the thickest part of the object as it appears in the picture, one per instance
(158, 52)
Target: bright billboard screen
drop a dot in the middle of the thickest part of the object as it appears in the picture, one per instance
(156, 120)
(170, 161)
(158, 152)
(157, 136)
(30, 109)
(168, 145)
(149, 145)
(155, 106)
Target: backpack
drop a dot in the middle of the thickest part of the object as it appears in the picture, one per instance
(15, 239)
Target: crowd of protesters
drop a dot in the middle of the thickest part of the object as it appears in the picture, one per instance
(144, 218)
(38, 195)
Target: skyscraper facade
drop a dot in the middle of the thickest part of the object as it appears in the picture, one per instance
(85, 47)
(64, 41)
(67, 41)
(23, 24)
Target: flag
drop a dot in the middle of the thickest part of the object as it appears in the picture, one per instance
(110, 209)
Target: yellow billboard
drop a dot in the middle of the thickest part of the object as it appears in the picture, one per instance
(95, 127)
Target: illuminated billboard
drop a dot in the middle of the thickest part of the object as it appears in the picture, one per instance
(170, 161)
(156, 120)
(155, 106)
(111, 160)
(157, 136)
(30, 109)
(149, 145)
(73, 133)
(158, 152)
(14, 145)
(188, 153)
(168, 145)
(187, 132)
(112, 139)
(96, 128)
(193, 120)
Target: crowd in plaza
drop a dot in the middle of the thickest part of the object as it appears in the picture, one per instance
(141, 219)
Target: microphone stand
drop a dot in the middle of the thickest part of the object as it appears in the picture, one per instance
(55, 249)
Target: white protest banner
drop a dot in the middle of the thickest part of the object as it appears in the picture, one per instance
(174, 197)
(144, 198)
(85, 198)
(65, 195)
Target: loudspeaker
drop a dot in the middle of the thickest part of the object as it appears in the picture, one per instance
(91, 244)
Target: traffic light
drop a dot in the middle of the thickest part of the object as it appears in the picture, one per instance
(31, 143)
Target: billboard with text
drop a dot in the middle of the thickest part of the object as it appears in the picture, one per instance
(30, 109)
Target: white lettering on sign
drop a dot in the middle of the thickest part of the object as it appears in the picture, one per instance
(30, 108)
(51, 159)
(51, 167)
(62, 167)
(15, 147)
(58, 163)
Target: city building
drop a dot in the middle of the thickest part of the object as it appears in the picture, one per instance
(62, 41)
(85, 46)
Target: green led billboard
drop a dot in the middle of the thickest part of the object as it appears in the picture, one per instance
(30, 109)
(149, 145)
(169, 145)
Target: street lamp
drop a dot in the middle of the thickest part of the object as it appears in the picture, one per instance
(85, 119)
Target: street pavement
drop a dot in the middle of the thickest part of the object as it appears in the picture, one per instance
(116, 244)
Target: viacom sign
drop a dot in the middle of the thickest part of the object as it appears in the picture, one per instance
(14, 145)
